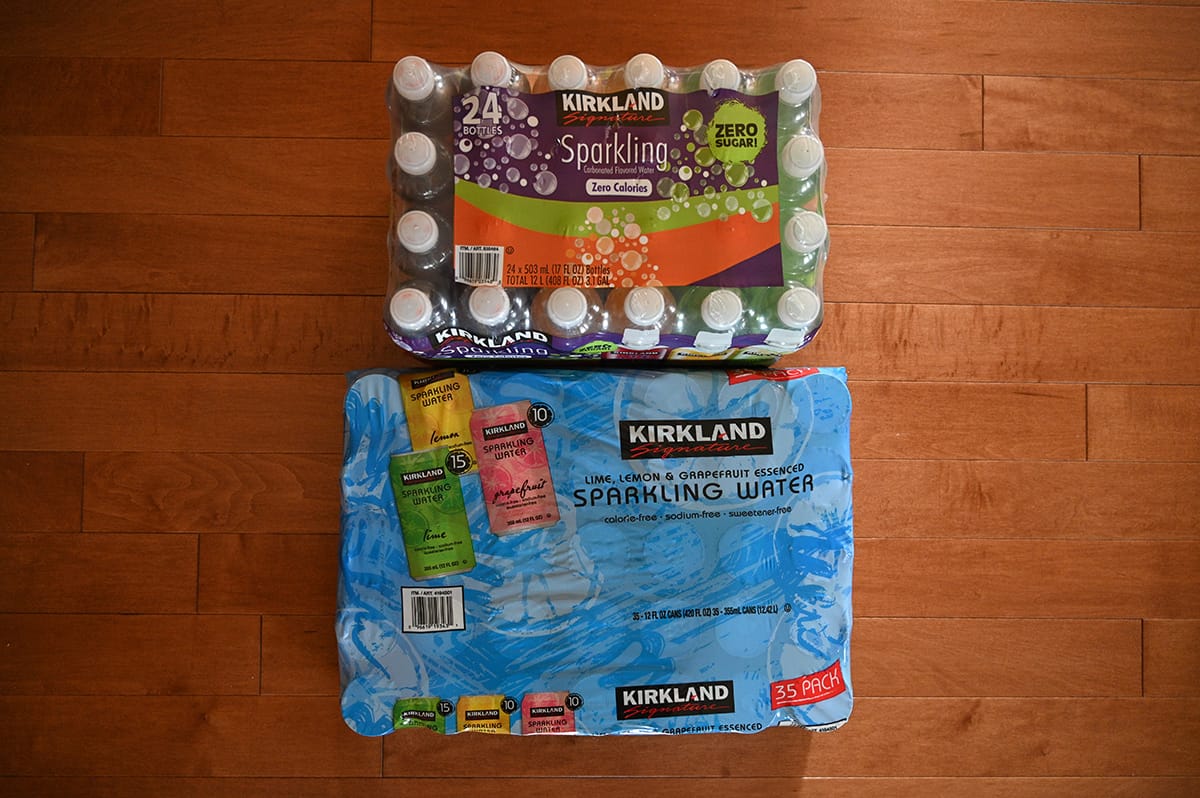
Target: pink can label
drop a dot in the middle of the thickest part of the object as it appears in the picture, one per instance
(547, 713)
(513, 469)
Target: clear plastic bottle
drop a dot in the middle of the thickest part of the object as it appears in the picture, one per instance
(801, 166)
(492, 310)
(421, 168)
(804, 235)
(422, 97)
(418, 307)
(423, 242)
(569, 73)
(492, 69)
(636, 311)
(796, 82)
(718, 310)
(567, 312)
(643, 71)
(720, 74)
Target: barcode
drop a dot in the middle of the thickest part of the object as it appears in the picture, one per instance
(437, 609)
(478, 265)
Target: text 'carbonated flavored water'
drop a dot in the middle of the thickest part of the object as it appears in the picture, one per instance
(583, 211)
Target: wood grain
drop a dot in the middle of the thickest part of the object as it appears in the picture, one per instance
(1145, 423)
(195, 332)
(982, 189)
(971, 421)
(1172, 657)
(1027, 578)
(270, 574)
(946, 36)
(1006, 343)
(1170, 193)
(139, 174)
(1082, 115)
(286, 99)
(16, 251)
(171, 412)
(990, 499)
(211, 254)
(98, 573)
(306, 29)
(180, 735)
(901, 265)
(40, 491)
(129, 655)
(183, 491)
(603, 787)
(299, 656)
(76, 96)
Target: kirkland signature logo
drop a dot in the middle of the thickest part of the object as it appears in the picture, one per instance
(628, 107)
(660, 439)
(670, 700)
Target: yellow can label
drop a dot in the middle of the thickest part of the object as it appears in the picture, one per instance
(438, 407)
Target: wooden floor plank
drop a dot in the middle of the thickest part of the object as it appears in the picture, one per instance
(129, 655)
(1012, 267)
(993, 499)
(210, 254)
(76, 96)
(876, 110)
(142, 174)
(157, 332)
(946, 36)
(1172, 657)
(1170, 193)
(16, 251)
(40, 491)
(1089, 115)
(982, 189)
(184, 735)
(957, 657)
(298, 655)
(970, 421)
(184, 491)
(316, 29)
(171, 412)
(268, 574)
(97, 573)
(1009, 343)
(1027, 578)
(1143, 422)
(793, 786)
(286, 99)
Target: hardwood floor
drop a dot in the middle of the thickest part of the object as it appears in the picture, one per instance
(193, 213)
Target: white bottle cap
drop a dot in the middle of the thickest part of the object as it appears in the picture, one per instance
(721, 310)
(644, 70)
(415, 153)
(491, 69)
(489, 304)
(796, 81)
(567, 72)
(411, 309)
(802, 156)
(567, 307)
(417, 232)
(721, 74)
(708, 341)
(798, 307)
(645, 307)
(413, 78)
(805, 232)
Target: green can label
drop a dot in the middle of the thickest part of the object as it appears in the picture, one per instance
(433, 515)
(423, 713)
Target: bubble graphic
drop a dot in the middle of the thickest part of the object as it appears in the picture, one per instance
(497, 142)
(504, 188)
(693, 119)
(604, 245)
(644, 240)
(736, 174)
(461, 164)
(465, 145)
(703, 210)
(513, 174)
(685, 173)
(517, 108)
(533, 121)
(587, 258)
(691, 146)
(595, 214)
(524, 182)
(626, 282)
(663, 213)
(603, 227)
(679, 192)
(545, 183)
(519, 146)
(731, 203)
(761, 210)
(632, 261)
(484, 181)
(710, 192)
(579, 242)
(664, 187)
(675, 154)
(489, 163)
(705, 157)
(632, 230)
(629, 217)
(701, 135)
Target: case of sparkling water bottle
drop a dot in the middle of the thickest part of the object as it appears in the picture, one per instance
(632, 211)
